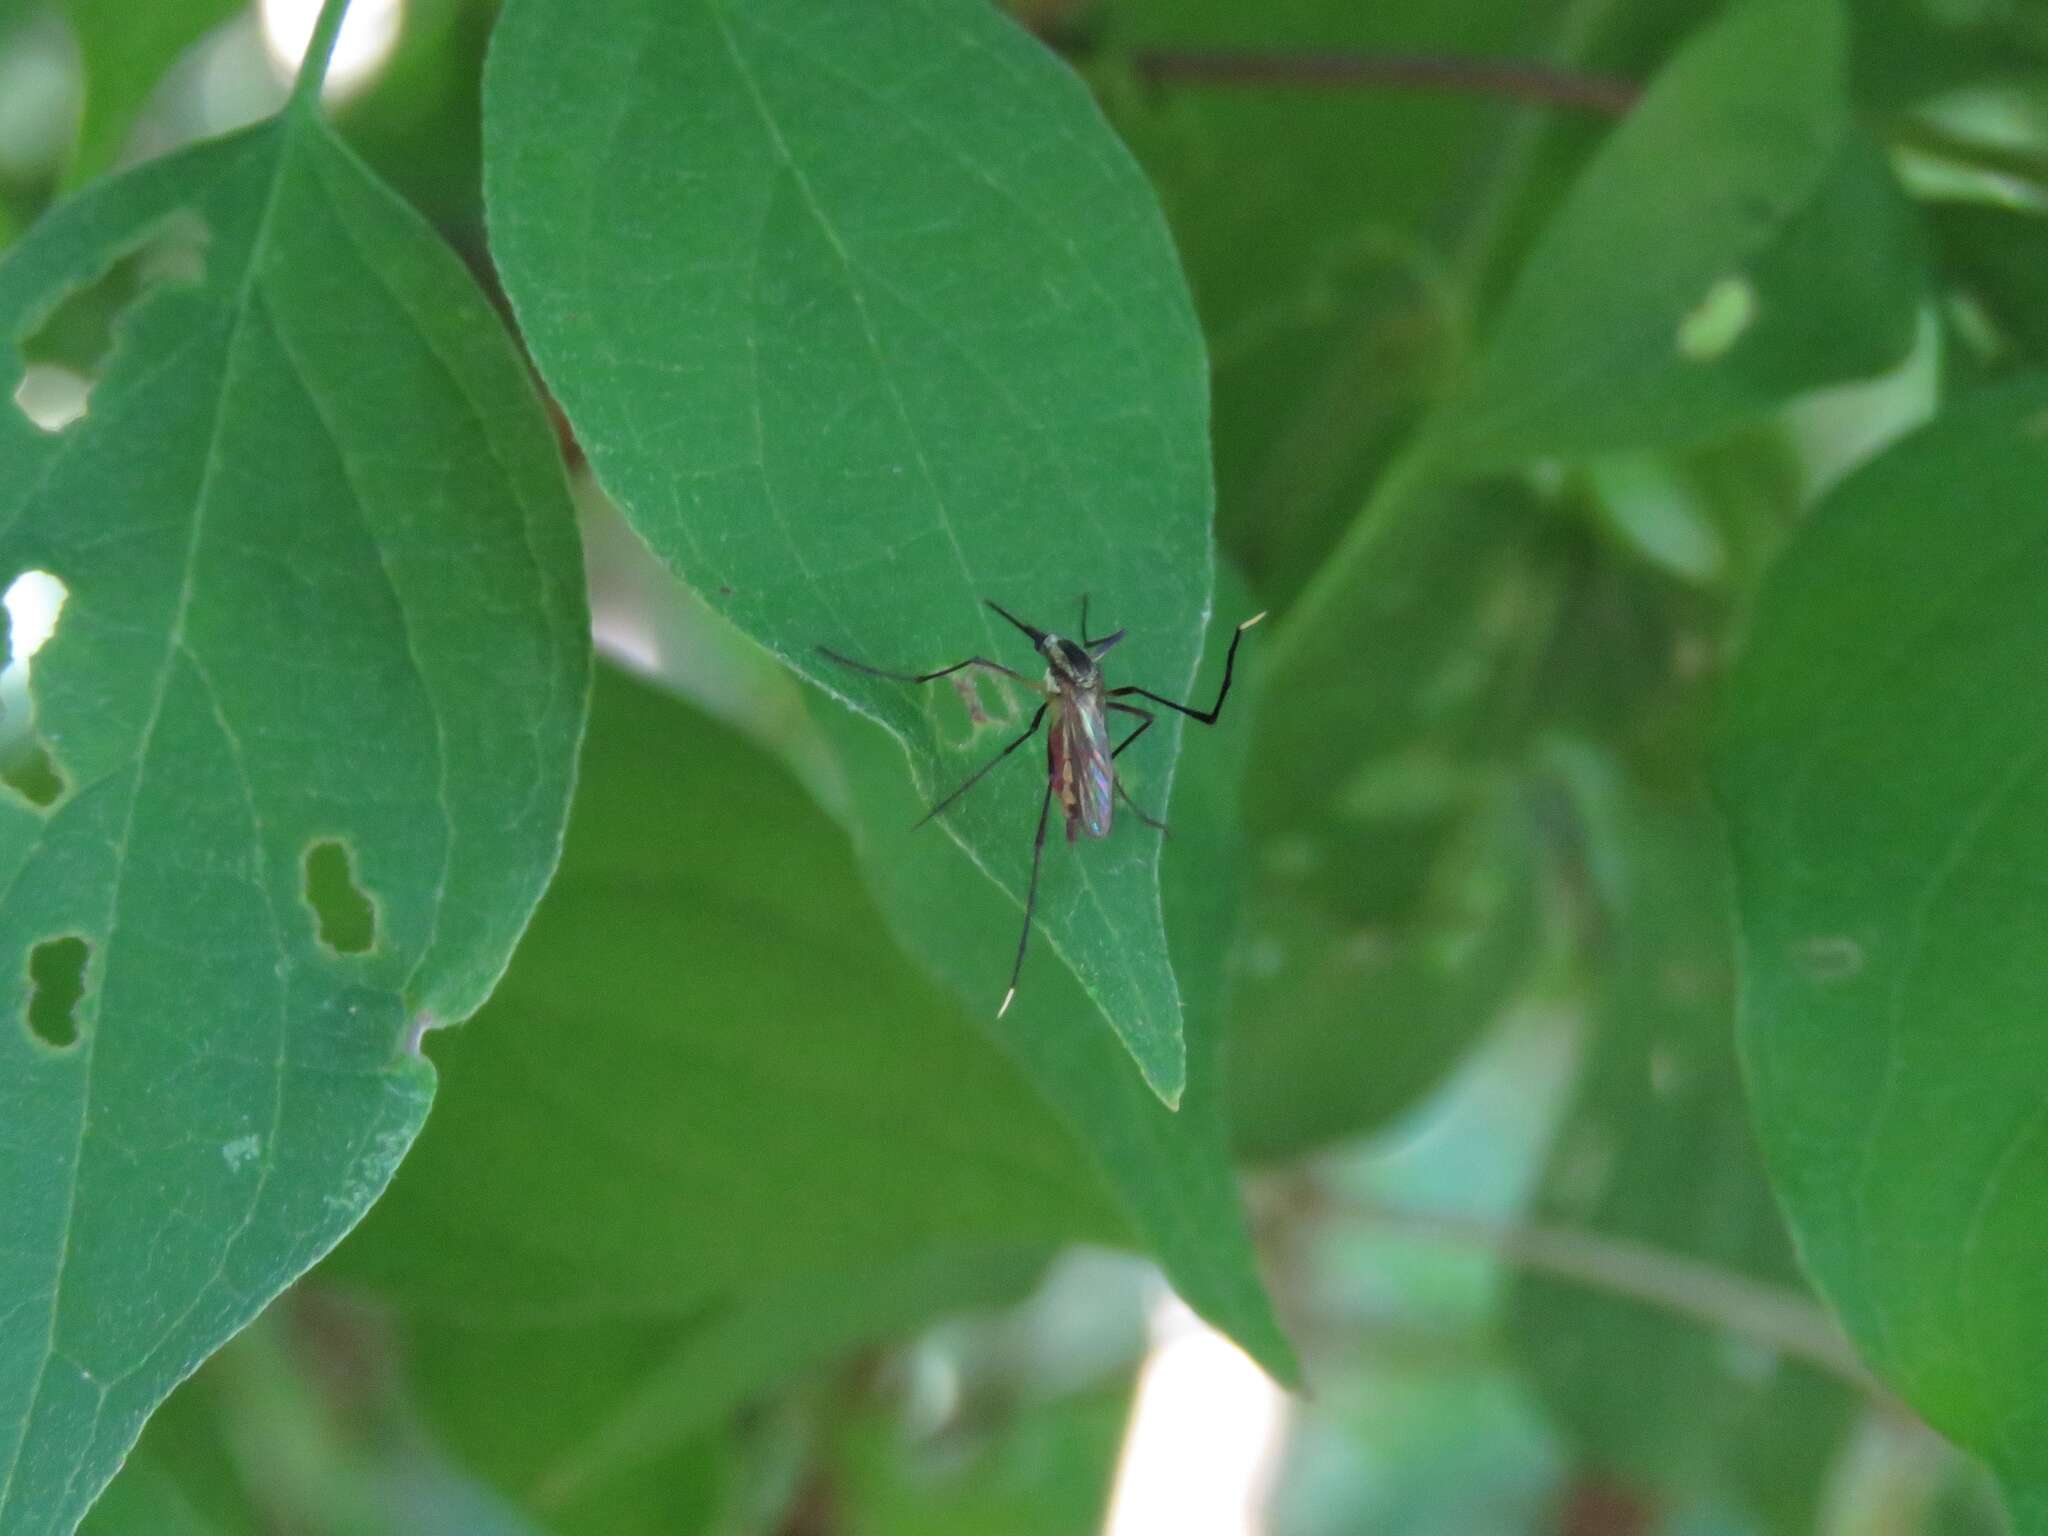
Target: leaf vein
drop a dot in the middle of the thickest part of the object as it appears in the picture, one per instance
(231, 351)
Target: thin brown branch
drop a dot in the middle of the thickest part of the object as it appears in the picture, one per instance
(1509, 79)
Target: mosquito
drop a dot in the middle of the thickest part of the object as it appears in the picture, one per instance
(1080, 764)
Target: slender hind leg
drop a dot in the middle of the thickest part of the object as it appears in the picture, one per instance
(923, 677)
(1030, 899)
(1138, 811)
(1206, 716)
(974, 778)
(931, 677)
(1145, 721)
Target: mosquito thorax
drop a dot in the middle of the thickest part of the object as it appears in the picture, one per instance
(1070, 666)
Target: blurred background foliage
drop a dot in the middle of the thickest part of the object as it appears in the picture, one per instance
(1480, 1045)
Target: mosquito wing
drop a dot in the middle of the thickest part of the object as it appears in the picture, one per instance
(1078, 753)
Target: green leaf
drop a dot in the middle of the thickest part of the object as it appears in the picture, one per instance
(185, 1473)
(1882, 768)
(1170, 1170)
(145, 1500)
(125, 50)
(1394, 904)
(1341, 1021)
(1710, 516)
(1415, 644)
(1335, 330)
(863, 317)
(1229, 159)
(325, 635)
(1656, 1150)
(1647, 504)
(741, 1078)
(672, 1385)
(503, 1404)
(1316, 396)
(1693, 278)
(1999, 257)
(298, 1424)
(1043, 1466)
(1908, 52)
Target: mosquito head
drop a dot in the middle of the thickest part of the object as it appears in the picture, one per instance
(1070, 664)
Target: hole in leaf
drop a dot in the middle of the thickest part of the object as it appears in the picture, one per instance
(66, 352)
(56, 976)
(346, 916)
(32, 774)
(33, 601)
(51, 395)
(1717, 322)
(31, 606)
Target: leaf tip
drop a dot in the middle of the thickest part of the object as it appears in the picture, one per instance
(1168, 1080)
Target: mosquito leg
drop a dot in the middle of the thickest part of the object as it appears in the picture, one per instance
(1136, 810)
(1146, 720)
(924, 677)
(1206, 716)
(974, 778)
(1030, 899)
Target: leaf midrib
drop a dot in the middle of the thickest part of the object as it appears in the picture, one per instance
(1167, 1027)
(244, 292)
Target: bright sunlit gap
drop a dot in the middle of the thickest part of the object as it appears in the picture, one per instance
(51, 395)
(33, 601)
(367, 39)
(1204, 1440)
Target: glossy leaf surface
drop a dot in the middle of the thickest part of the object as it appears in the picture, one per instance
(1692, 278)
(1656, 1150)
(863, 316)
(1168, 1173)
(1170, 1170)
(1882, 766)
(707, 1070)
(325, 613)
